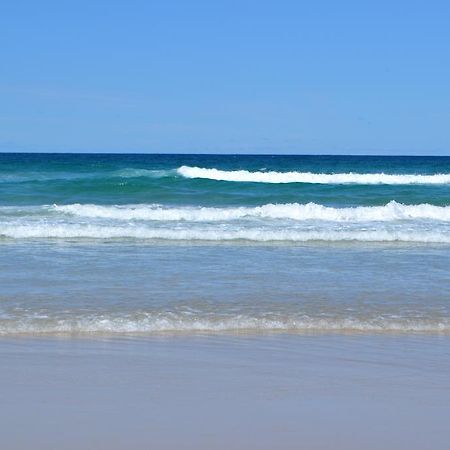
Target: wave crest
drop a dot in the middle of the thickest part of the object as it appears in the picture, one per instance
(309, 177)
(88, 231)
(293, 211)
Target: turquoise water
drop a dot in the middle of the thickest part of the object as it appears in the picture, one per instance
(37, 179)
(125, 244)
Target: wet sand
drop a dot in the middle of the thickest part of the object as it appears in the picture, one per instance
(222, 392)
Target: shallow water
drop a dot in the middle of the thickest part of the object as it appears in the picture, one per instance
(110, 289)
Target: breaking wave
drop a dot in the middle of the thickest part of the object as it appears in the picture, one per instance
(220, 234)
(309, 177)
(294, 211)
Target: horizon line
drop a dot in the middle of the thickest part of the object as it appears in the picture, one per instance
(218, 154)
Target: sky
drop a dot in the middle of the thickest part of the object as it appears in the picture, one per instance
(330, 77)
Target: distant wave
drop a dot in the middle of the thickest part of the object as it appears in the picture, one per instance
(89, 231)
(148, 324)
(309, 177)
(294, 211)
(148, 173)
(232, 175)
(43, 177)
(26, 177)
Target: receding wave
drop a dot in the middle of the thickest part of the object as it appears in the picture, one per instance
(148, 324)
(294, 211)
(88, 231)
(309, 177)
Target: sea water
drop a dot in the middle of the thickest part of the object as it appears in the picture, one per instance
(150, 244)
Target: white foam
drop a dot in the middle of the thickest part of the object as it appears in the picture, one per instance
(88, 231)
(179, 323)
(293, 211)
(309, 177)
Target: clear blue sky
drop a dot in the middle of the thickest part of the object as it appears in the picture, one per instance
(222, 76)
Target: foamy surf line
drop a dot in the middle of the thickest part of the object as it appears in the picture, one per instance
(152, 325)
(99, 232)
(294, 211)
(311, 178)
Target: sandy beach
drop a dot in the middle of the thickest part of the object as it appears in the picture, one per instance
(221, 392)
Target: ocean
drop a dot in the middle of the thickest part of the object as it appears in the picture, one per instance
(143, 245)
(216, 302)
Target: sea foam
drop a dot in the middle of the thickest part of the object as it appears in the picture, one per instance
(293, 211)
(309, 177)
(251, 234)
(148, 323)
